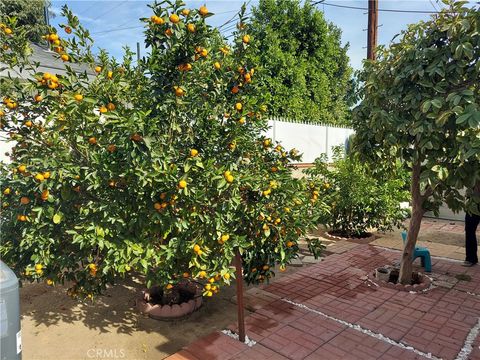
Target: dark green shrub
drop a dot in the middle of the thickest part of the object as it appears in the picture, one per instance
(359, 198)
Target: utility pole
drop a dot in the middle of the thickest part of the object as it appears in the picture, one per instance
(46, 16)
(372, 28)
(138, 51)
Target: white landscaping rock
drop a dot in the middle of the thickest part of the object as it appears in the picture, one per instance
(248, 342)
(311, 260)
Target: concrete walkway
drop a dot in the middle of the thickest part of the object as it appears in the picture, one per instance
(443, 238)
(331, 310)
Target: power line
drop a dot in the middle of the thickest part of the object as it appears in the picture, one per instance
(225, 12)
(233, 17)
(109, 10)
(229, 20)
(229, 28)
(87, 9)
(117, 29)
(384, 10)
(433, 5)
(125, 23)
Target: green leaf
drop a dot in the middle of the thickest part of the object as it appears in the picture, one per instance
(426, 106)
(221, 183)
(472, 122)
(471, 152)
(437, 103)
(148, 142)
(99, 231)
(463, 118)
(443, 173)
(442, 119)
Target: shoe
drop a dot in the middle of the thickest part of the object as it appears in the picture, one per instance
(468, 264)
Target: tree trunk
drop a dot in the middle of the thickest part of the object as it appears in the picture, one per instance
(405, 276)
(239, 282)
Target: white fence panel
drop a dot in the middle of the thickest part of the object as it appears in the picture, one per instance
(310, 140)
(5, 148)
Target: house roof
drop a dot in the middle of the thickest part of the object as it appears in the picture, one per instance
(48, 63)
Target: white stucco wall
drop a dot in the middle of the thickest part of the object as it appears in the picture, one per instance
(310, 140)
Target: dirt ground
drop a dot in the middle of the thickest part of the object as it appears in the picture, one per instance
(57, 327)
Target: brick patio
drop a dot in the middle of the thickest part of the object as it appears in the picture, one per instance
(330, 311)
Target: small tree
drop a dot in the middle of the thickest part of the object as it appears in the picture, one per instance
(305, 65)
(159, 168)
(421, 105)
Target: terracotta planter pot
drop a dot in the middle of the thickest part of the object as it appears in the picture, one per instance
(170, 312)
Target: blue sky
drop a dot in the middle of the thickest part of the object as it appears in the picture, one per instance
(115, 23)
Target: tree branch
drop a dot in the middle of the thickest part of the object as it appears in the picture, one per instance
(428, 192)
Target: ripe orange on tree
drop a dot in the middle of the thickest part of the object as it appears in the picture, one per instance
(136, 137)
(203, 11)
(182, 184)
(174, 18)
(45, 195)
(157, 20)
(179, 91)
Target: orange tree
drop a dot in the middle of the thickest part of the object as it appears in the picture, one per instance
(159, 168)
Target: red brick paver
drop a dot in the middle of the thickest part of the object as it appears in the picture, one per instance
(332, 301)
(213, 346)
